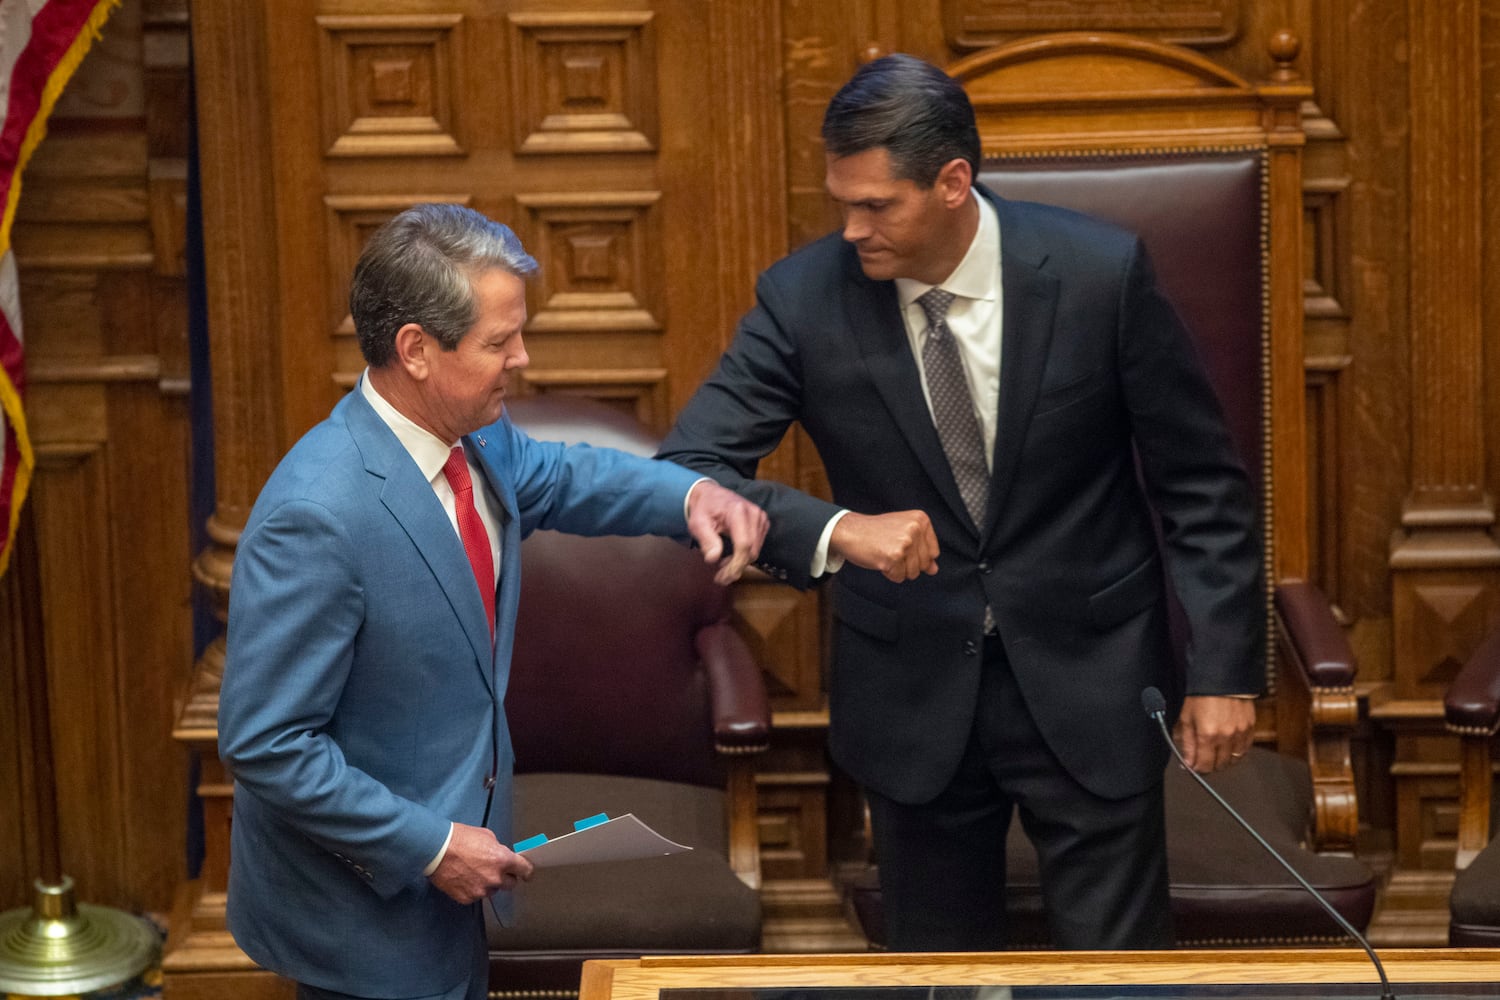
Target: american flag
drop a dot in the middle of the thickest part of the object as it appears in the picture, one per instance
(41, 44)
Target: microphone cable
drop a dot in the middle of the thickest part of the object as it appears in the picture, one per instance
(1156, 707)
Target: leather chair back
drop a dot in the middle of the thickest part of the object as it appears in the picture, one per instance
(629, 693)
(605, 678)
(1202, 219)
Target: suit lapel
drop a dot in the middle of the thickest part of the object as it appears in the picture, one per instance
(1028, 311)
(410, 500)
(874, 314)
(483, 451)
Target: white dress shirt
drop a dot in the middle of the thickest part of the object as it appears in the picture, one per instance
(975, 321)
(430, 453)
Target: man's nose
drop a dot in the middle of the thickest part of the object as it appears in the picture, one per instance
(855, 228)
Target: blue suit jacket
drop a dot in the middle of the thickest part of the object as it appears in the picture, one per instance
(361, 708)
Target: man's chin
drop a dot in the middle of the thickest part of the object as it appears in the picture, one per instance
(495, 410)
(876, 269)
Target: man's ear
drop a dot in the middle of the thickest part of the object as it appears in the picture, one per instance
(954, 181)
(412, 345)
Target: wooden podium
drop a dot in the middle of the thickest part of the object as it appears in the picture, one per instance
(645, 978)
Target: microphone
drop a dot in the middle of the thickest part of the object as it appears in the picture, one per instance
(1156, 707)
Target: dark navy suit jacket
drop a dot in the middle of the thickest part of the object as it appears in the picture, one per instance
(1096, 369)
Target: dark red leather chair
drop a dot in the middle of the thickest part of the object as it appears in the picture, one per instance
(630, 692)
(1471, 708)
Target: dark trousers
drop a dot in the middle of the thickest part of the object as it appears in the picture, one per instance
(475, 986)
(942, 863)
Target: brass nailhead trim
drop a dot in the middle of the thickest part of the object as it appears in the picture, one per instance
(737, 750)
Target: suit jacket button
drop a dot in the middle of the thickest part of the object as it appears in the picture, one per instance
(970, 647)
(489, 782)
(985, 567)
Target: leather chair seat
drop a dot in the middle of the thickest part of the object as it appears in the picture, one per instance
(682, 903)
(1226, 890)
(1474, 906)
(1471, 710)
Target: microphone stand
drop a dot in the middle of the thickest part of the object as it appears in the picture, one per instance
(1158, 712)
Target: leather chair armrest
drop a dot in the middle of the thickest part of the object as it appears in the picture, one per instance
(1318, 709)
(1471, 708)
(1472, 703)
(742, 726)
(1322, 651)
(737, 691)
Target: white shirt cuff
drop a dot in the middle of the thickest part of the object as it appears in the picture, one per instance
(822, 562)
(432, 865)
(688, 496)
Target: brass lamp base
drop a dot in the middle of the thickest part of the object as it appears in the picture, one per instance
(63, 947)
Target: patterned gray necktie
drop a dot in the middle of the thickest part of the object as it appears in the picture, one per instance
(953, 406)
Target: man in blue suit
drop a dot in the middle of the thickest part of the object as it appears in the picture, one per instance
(371, 620)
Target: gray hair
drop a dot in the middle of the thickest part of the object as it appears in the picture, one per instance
(419, 268)
(912, 109)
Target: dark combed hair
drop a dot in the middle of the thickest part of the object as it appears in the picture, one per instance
(911, 108)
(419, 268)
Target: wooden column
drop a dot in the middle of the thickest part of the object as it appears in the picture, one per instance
(1445, 563)
(236, 179)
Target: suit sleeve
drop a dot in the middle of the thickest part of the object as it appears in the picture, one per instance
(296, 608)
(1198, 487)
(584, 490)
(739, 416)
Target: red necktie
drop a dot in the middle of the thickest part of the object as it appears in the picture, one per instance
(471, 530)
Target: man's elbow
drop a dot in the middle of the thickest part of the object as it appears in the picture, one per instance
(247, 753)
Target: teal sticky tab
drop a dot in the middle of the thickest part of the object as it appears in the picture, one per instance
(530, 842)
(584, 824)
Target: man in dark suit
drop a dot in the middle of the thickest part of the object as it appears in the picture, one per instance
(982, 379)
(372, 616)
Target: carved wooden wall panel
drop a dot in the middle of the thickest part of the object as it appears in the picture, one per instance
(601, 259)
(21, 647)
(973, 24)
(1355, 177)
(547, 120)
(783, 629)
(793, 824)
(98, 611)
(391, 85)
(1325, 468)
(585, 81)
(642, 393)
(1326, 258)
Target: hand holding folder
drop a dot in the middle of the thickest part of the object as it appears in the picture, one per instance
(599, 838)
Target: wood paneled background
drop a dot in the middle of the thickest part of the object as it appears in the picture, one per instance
(655, 155)
(99, 246)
